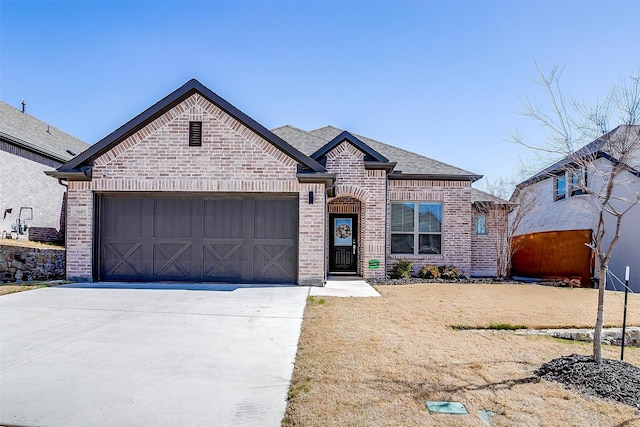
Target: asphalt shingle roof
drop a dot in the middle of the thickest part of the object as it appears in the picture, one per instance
(407, 162)
(478, 196)
(25, 130)
(591, 149)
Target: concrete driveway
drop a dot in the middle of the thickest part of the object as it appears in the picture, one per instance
(109, 355)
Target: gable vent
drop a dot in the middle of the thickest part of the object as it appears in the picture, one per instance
(195, 134)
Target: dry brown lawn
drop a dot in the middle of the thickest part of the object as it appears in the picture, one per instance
(30, 244)
(12, 289)
(374, 361)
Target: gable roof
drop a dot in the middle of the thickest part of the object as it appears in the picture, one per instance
(345, 136)
(597, 149)
(479, 196)
(191, 87)
(25, 131)
(409, 165)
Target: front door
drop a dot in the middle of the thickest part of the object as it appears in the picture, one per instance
(343, 244)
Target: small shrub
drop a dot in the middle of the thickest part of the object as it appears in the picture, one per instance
(449, 272)
(401, 269)
(429, 272)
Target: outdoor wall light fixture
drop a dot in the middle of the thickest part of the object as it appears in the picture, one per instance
(310, 197)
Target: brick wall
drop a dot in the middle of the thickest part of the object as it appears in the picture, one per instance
(483, 250)
(158, 158)
(26, 185)
(354, 182)
(455, 197)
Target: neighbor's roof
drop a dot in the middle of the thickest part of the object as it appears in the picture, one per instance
(24, 130)
(408, 163)
(598, 148)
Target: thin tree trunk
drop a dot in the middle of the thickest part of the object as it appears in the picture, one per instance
(597, 333)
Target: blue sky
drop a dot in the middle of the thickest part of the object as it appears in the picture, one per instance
(443, 79)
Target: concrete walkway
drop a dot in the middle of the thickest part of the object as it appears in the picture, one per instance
(111, 355)
(345, 287)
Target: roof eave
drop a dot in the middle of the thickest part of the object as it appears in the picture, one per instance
(433, 177)
(83, 174)
(30, 147)
(387, 166)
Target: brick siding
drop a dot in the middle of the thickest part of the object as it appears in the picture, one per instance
(232, 158)
(455, 197)
(355, 183)
(483, 250)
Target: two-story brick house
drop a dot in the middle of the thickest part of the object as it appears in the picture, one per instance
(194, 189)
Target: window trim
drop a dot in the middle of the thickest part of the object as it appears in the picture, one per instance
(416, 233)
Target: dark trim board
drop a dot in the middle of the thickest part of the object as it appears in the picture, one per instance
(239, 238)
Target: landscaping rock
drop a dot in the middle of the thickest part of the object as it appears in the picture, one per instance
(616, 380)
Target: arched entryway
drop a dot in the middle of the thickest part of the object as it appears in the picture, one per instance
(344, 236)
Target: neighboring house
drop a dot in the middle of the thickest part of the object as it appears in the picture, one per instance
(194, 189)
(556, 232)
(28, 148)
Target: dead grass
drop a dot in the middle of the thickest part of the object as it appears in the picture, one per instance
(12, 289)
(30, 244)
(374, 361)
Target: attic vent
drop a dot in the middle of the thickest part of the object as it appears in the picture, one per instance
(71, 152)
(195, 134)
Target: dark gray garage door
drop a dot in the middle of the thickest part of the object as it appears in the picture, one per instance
(197, 238)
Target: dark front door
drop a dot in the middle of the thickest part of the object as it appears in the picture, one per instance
(343, 243)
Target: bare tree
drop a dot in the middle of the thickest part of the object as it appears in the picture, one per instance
(609, 160)
(503, 220)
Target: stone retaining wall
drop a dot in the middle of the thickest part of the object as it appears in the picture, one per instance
(25, 264)
(610, 336)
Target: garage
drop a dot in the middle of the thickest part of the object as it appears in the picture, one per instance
(222, 238)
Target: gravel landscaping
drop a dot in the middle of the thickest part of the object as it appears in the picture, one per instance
(614, 379)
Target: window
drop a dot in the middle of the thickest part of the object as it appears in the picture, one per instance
(560, 186)
(481, 224)
(195, 134)
(569, 183)
(578, 181)
(416, 228)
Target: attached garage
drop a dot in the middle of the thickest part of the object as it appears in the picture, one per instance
(223, 237)
(193, 189)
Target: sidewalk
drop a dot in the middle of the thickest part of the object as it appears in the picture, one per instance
(344, 287)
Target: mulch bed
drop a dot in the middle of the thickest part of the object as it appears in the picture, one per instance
(417, 280)
(613, 379)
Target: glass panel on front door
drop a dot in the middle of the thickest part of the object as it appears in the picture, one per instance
(343, 232)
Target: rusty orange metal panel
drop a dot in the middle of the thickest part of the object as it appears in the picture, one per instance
(553, 254)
